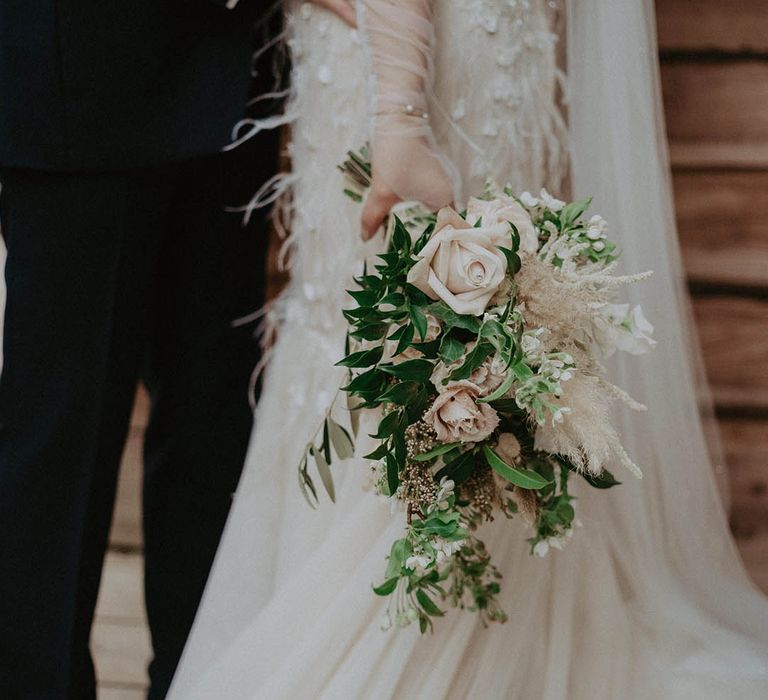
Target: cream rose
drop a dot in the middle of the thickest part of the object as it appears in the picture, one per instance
(456, 416)
(461, 265)
(503, 209)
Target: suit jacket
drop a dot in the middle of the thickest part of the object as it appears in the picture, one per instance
(107, 84)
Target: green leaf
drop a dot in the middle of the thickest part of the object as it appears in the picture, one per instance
(394, 298)
(388, 425)
(401, 550)
(513, 260)
(363, 358)
(342, 442)
(367, 381)
(436, 452)
(472, 361)
(505, 386)
(524, 478)
(400, 394)
(370, 331)
(379, 453)
(428, 604)
(522, 371)
(459, 469)
(419, 321)
(453, 320)
(305, 483)
(450, 349)
(570, 212)
(387, 587)
(405, 339)
(365, 297)
(414, 370)
(401, 239)
(325, 472)
(393, 473)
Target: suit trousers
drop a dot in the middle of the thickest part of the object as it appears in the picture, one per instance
(115, 278)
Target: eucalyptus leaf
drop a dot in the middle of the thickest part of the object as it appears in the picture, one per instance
(524, 478)
(342, 442)
(436, 452)
(325, 473)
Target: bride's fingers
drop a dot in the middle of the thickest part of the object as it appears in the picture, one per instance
(343, 8)
(375, 211)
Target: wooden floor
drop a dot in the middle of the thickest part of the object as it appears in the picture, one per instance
(715, 79)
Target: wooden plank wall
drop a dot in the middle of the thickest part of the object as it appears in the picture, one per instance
(714, 69)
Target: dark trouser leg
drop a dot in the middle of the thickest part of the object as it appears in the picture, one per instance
(81, 252)
(198, 371)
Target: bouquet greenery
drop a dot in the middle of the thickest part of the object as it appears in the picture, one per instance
(478, 336)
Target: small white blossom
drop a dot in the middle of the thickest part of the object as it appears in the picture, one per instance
(541, 549)
(529, 200)
(418, 562)
(597, 227)
(551, 202)
(598, 246)
(530, 343)
(559, 415)
(386, 622)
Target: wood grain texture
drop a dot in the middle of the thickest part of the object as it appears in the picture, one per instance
(712, 25)
(734, 335)
(717, 108)
(723, 227)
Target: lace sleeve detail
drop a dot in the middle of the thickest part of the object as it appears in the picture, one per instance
(398, 36)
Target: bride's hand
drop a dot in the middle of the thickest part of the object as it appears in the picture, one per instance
(410, 170)
(343, 8)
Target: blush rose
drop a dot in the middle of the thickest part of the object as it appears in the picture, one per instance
(456, 416)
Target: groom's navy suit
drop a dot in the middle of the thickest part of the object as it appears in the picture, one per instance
(122, 266)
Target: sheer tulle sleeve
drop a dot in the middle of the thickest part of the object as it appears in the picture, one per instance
(398, 37)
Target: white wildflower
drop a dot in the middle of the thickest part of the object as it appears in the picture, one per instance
(386, 622)
(418, 562)
(530, 342)
(529, 200)
(551, 202)
(598, 246)
(597, 228)
(541, 549)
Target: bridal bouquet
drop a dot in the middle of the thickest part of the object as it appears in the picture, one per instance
(478, 337)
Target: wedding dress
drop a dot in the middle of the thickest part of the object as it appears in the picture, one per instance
(649, 600)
